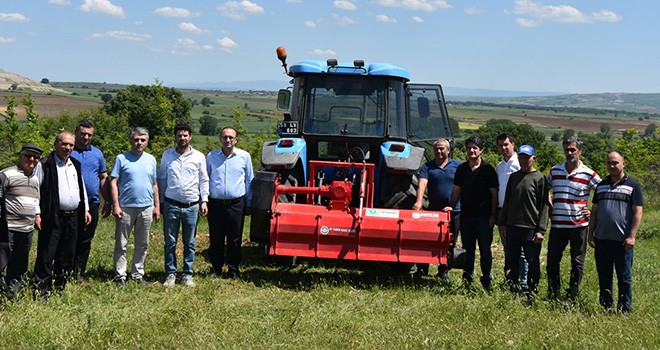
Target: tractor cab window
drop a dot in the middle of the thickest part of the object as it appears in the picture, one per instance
(427, 115)
(345, 105)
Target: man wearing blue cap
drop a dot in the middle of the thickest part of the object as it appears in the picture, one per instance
(524, 219)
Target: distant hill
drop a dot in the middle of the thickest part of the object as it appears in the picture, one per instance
(632, 102)
(13, 81)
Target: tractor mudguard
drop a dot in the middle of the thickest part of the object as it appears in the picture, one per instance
(283, 153)
(402, 156)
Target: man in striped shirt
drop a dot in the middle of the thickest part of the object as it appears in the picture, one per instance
(21, 199)
(571, 184)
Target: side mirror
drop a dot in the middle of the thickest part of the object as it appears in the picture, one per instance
(283, 99)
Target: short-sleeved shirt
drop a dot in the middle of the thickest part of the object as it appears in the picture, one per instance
(92, 165)
(440, 183)
(475, 187)
(615, 207)
(570, 193)
(504, 170)
(136, 176)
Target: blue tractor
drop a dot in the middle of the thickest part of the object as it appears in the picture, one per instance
(356, 112)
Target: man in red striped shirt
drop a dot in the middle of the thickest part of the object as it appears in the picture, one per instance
(571, 183)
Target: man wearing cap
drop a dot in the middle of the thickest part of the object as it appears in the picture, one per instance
(523, 220)
(64, 213)
(94, 175)
(20, 207)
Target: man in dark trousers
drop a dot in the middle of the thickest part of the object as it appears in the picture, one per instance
(64, 213)
(19, 207)
(230, 175)
(475, 185)
(94, 175)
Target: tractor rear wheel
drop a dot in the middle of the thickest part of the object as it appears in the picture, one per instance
(293, 177)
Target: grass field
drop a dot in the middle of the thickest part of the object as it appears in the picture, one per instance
(327, 305)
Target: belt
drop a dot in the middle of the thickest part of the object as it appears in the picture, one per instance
(227, 201)
(180, 204)
(68, 213)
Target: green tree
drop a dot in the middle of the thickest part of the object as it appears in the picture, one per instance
(455, 128)
(650, 130)
(106, 98)
(155, 107)
(206, 101)
(208, 125)
(568, 133)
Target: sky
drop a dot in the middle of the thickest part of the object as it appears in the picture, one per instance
(569, 46)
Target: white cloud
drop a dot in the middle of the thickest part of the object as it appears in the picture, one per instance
(121, 35)
(12, 17)
(226, 44)
(207, 47)
(191, 28)
(534, 13)
(472, 10)
(4, 40)
(294, 1)
(310, 24)
(418, 19)
(385, 19)
(185, 43)
(344, 5)
(325, 53)
(415, 5)
(104, 7)
(239, 9)
(176, 12)
(343, 20)
(60, 2)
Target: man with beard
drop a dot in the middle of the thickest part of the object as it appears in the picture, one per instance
(184, 186)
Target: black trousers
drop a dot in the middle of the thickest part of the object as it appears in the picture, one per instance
(17, 262)
(84, 242)
(559, 239)
(225, 222)
(55, 250)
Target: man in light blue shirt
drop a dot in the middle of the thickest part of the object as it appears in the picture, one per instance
(230, 176)
(134, 187)
(184, 185)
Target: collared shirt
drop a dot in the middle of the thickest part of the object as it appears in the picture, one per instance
(67, 185)
(230, 176)
(570, 193)
(504, 171)
(615, 207)
(21, 197)
(136, 176)
(440, 183)
(92, 164)
(183, 177)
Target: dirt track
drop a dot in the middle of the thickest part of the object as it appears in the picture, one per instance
(582, 124)
(51, 105)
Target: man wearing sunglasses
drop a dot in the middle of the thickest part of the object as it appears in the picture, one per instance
(20, 208)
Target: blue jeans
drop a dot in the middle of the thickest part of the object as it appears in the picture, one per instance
(611, 254)
(186, 218)
(473, 230)
(520, 242)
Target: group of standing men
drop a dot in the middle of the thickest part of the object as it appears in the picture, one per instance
(60, 195)
(516, 197)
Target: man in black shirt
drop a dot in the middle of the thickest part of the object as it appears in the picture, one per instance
(475, 185)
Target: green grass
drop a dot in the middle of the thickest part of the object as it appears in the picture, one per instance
(326, 305)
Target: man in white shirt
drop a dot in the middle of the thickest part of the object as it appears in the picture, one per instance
(184, 185)
(508, 165)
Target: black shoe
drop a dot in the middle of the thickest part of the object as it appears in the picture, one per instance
(232, 275)
(121, 282)
(141, 281)
(444, 276)
(486, 283)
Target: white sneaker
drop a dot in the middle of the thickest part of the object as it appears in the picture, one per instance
(187, 281)
(170, 280)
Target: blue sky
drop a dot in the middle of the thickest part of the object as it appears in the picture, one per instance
(573, 46)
